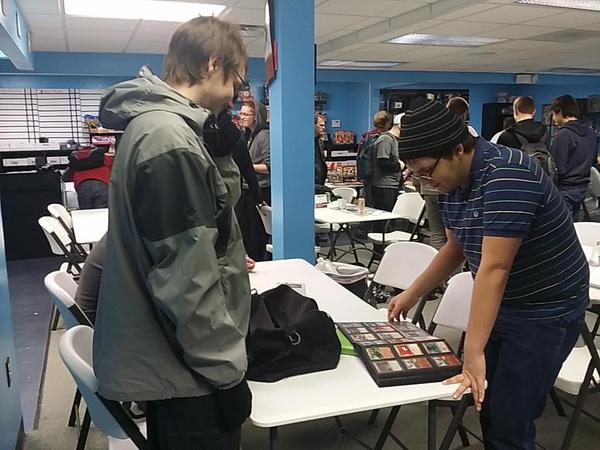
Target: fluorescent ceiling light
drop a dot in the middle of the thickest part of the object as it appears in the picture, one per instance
(364, 64)
(165, 11)
(588, 5)
(449, 41)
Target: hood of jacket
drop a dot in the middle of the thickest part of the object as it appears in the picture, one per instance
(580, 127)
(261, 118)
(125, 101)
(530, 129)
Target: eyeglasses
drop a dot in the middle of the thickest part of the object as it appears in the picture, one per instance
(243, 86)
(245, 114)
(426, 176)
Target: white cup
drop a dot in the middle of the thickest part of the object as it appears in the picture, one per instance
(342, 203)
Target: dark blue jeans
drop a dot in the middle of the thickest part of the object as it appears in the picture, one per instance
(574, 198)
(522, 362)
(92, 194)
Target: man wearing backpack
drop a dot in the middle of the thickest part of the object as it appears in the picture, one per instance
(574, 151)
(525, 127)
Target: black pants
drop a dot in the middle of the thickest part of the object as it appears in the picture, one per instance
(384, 199)
(253, 232)
(574, 198)
(188, 424)
(92, 194)
(522, 362)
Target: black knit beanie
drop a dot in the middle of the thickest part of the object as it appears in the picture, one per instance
(429, 128)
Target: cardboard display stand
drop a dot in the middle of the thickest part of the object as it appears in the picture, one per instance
(401, 353)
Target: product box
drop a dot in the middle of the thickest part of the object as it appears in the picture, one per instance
(400, 353)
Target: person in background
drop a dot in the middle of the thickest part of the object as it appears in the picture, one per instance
(460, 107)
(174, 303)
(382, 122)
(256, 129)
(320, 164)
(525, 126)
(387, 177)
(574, 151)
(506, 124)
(89, 169)
(530, 275)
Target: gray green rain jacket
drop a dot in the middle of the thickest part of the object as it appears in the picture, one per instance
(175, 297)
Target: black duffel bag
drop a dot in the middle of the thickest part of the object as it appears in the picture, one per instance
(288, 336)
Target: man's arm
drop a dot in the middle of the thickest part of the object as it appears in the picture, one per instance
(185, 228)
(508, 139)
(442, 266)
(264, 145)
(560, 150)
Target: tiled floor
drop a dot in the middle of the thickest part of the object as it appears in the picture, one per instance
(31, 310)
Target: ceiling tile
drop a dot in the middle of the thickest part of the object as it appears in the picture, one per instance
(381, 8)
(55, 44)
(516, 32)
(568, 19)
(511, 14)
(43, 20)
(39, 6)
(334, 22)
(246, 16)
(156, 27)
(96, 46)
(456, 27)
(469, 10)
(113, 36)
(50, 34)
(97, 24)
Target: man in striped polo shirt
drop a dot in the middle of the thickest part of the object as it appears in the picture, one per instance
(506, 217)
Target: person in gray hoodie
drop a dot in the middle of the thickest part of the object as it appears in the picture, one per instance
(256, 130)
(174, 302)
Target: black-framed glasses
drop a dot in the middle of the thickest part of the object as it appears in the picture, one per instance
(243, 86)
(427, 175)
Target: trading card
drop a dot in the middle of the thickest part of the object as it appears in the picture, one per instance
(435, 347)
(388, 366)
(383, 329)
(362, 330)
(364, 337)
(350, 324)
(400, 341)
(390, 335)
(371, 343)
(408, 350)
(423, 338)
(446, 360)
(417, 363)
(376, 353)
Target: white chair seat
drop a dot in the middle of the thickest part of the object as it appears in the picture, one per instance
(594, 295)
(394, 236)
(573, 371)
(269, 248)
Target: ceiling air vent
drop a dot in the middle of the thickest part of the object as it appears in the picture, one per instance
(252, 31)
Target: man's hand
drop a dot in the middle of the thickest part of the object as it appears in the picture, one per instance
(400, 304)
(472, 376)
(250, 263)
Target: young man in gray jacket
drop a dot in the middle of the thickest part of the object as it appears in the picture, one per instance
(175, 297)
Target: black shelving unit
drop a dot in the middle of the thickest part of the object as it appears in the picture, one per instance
(396, 101)
(41, 159)
(492, 119)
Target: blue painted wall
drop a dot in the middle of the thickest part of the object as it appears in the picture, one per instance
(10, 400)
(353, 94)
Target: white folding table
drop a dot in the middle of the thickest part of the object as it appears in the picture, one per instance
(348, 216)
(344, 390)
(89, 225)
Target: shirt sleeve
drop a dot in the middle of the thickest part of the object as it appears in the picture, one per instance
(511, 197)
(384, 147)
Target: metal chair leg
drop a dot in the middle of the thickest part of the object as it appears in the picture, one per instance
(431, 425)
(557, 404)
(83, 433)
(74, 408)
(55, 317)
(373, 417)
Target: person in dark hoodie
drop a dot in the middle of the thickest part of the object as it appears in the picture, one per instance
(320, 164)
(174, 305)
(574, 151)
(525, 126)
(256, 131)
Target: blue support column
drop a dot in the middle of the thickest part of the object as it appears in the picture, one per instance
(291, 103)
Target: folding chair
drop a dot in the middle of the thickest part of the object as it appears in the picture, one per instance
(60, 213)
(61, 244)
(453, 312)
(409, 206)
(400, 266)
(579, 376)
(346, 193)
(266, 212)
(593, 190)
(110, 417)
(588, 234)
(62, 288)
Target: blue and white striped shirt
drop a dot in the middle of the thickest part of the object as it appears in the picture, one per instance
(509, 195)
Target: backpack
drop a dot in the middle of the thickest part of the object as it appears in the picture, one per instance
(288, 336)
(365, 159)
(539, 151)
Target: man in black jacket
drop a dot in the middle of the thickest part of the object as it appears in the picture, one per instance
(525, 126)
(574, 151)
(320, 164)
